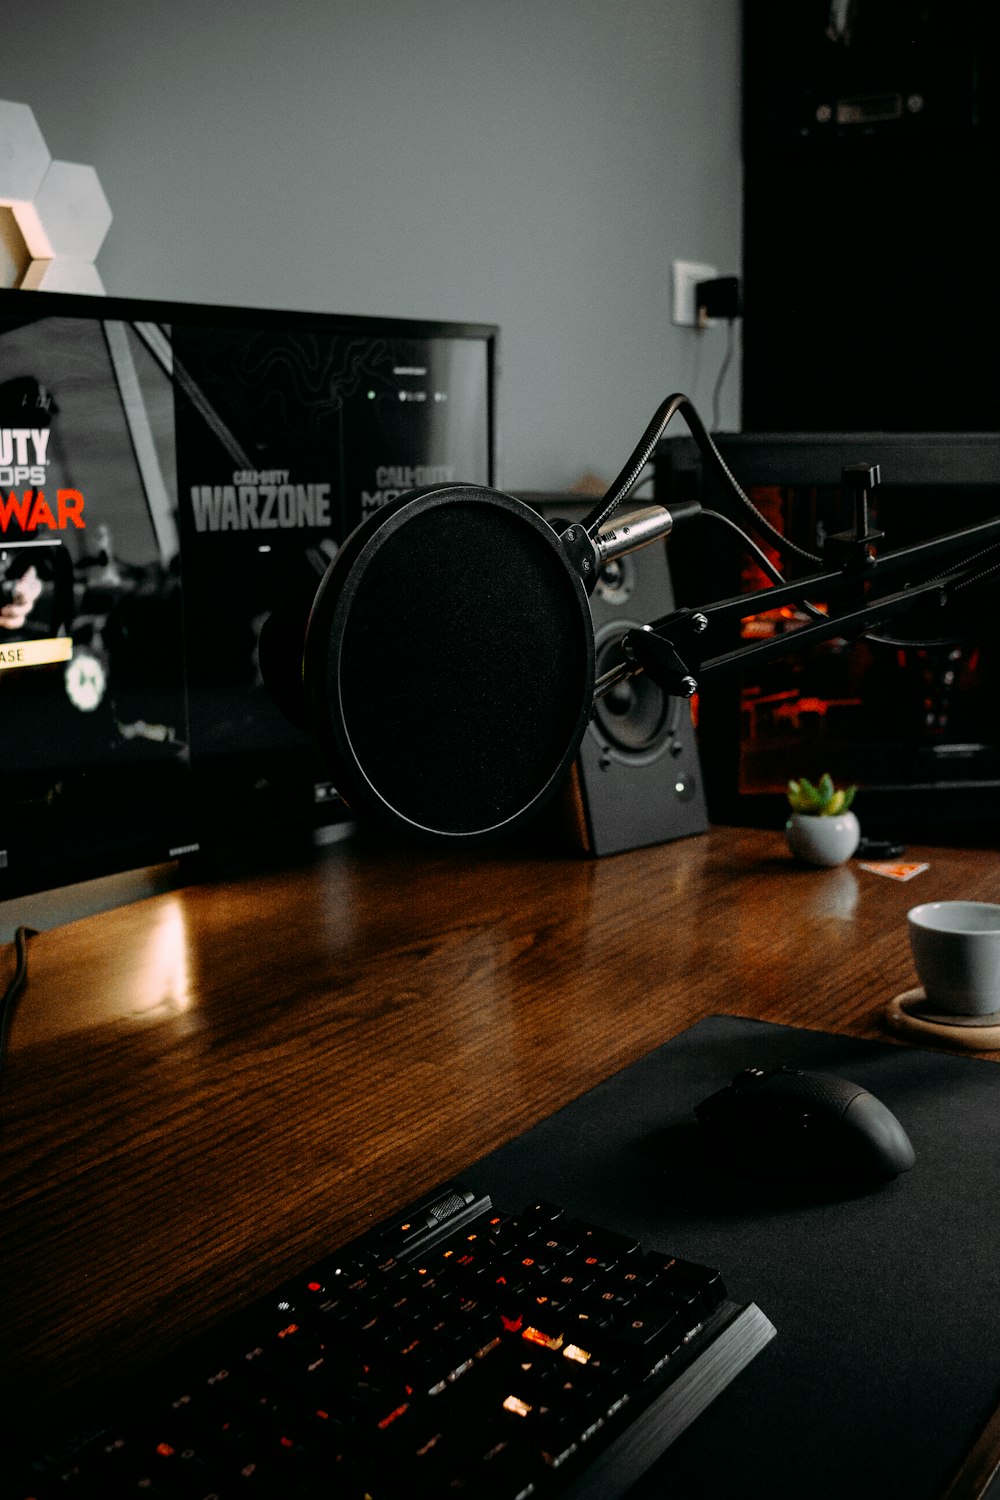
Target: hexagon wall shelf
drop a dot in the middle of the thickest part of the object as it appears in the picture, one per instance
(53, 214)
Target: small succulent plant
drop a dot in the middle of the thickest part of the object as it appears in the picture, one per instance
(823, 800)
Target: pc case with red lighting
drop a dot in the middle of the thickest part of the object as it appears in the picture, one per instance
(916, 726)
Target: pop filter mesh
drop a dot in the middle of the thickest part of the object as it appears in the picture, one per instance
(464, 672)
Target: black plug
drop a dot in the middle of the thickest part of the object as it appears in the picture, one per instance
(721, 298)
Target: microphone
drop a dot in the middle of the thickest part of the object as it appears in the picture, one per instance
(615, 539)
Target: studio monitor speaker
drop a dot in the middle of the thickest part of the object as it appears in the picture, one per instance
(637, 779)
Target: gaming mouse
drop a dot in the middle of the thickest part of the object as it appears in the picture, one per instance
(793, 1124)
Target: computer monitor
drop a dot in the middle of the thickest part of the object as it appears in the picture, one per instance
(169, 474)
(915, 727)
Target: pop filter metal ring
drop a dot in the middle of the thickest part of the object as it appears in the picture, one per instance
(464, 640)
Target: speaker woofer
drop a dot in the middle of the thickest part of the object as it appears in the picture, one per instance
(636, 718)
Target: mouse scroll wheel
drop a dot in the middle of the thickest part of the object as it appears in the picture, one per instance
(747, 1076)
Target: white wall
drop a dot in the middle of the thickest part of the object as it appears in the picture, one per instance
(534, 163)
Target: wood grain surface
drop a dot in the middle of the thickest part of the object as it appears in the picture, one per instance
(207, 1090)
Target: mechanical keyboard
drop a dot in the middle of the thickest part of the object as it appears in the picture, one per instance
(455, 1351)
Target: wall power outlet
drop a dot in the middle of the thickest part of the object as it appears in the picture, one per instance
(687, 274)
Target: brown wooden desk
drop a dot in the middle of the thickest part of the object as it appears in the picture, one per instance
(207, 1090)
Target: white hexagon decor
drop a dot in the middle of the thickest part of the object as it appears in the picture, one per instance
(24, 156)
(54, 213)
(62, 276)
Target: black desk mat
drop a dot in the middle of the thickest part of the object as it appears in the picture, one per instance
(886, 1303)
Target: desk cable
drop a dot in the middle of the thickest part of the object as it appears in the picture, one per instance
(16, 984)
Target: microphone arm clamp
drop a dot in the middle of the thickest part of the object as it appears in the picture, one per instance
(854, 551)
(656, 654)
(656, 651)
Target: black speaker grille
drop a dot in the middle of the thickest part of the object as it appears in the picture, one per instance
(465, 671)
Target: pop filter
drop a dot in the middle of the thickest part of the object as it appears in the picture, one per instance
(449, 663)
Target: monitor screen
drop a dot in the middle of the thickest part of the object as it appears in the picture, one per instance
(168, 475)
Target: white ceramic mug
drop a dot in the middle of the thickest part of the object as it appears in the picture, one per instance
(956, 950)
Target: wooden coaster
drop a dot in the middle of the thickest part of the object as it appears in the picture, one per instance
(908, 1013)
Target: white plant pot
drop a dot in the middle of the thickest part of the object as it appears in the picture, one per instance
(823, 841)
